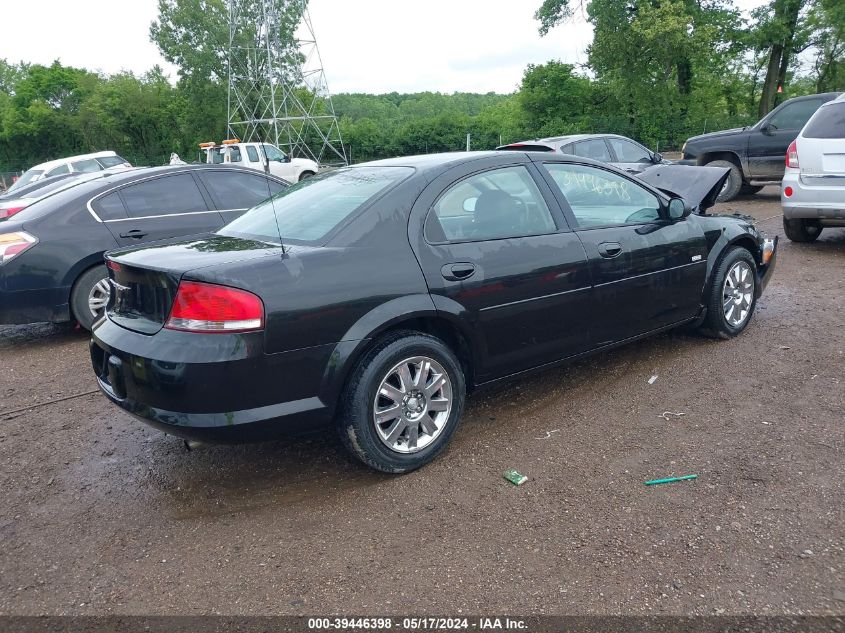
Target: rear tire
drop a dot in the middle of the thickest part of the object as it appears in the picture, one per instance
(800, 230)
(734, 182)
(732, 296)
(304, 175)
(402, 438)
(89, 296)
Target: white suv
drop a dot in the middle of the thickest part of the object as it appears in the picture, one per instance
(813, 187)
(84, 163)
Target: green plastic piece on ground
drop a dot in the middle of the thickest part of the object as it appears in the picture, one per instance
(514, 477)
(670, 480)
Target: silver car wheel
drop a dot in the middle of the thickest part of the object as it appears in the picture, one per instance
(412, 404)
(98, 298)
(738, 293)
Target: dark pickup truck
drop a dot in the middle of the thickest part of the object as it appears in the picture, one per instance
(755, 155)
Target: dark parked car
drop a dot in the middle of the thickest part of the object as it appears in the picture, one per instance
(755, 155)
(377, 295)
(619, 151)
(51, 253)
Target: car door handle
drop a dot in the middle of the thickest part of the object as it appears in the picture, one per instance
(609, 250)
(135, 233)
(457, 272)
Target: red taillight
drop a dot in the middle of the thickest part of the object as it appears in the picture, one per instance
(787, 191)
(112, 265)
(7, 213)
(201, 307)
(13, 244)
(792, 155)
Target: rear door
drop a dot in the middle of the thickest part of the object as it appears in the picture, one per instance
(767, 143)
(647, 273)
(821, 147)
(233, 192)
(158, 208)
(629, 156)
(495, 249)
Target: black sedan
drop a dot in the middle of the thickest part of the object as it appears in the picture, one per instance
(376, 296)
(51, 252)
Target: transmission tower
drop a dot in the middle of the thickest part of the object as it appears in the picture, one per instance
(278, 91)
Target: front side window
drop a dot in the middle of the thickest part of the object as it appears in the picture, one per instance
(309, 210)
(163, 196)
(236, 190)
(61, 169)
(628, 152)
(86, 166)
(602, 198)
(273, 153)
(793, 116)
(496, 204)
(594, 148)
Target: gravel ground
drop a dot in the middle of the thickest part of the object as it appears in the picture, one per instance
(102, 515)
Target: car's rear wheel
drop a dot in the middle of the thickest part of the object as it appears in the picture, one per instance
(732, 296)
(800, 230)
(402, 403)
(89, 296)
(733, 184)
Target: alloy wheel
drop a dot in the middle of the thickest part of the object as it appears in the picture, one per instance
(738, 293)
(412, 404)
(98, 298)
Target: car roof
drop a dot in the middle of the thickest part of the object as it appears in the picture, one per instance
(556, 142)
(443, 161)
(60, 161)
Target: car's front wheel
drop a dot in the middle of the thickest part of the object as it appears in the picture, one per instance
(403, 402)
(799, 230)
(305, 175)
(733, 294)
(733, 184)
(90, 295)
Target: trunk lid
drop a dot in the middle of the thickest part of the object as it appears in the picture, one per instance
(144, 280)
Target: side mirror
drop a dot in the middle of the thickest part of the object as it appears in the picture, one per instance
(767, 128)
(656, 158)
(677, 209)
(286, 159)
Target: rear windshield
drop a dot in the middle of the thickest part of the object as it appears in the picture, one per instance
(310, 209)
(27, 177)
(828, 122)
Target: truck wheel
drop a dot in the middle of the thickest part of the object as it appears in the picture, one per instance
(800, 230)
(750, 190)
(305, 174)
(89, 296)
(734, 182)
(732, 296)
(403, 402)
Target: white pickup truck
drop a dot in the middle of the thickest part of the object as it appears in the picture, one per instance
(261, 156)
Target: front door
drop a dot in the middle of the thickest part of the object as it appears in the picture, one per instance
(768, 141)
(647, 273)
(495, 249)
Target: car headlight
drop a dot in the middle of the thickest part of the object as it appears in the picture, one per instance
(13, 244)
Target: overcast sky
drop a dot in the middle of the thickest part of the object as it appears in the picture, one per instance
(366, 45)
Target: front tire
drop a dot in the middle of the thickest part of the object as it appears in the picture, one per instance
(89, 296)
(733, 184)
(305, 175)
(732, 295)
(799, 230)
(403, 402)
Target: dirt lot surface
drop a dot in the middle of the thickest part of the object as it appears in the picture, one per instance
(102, 515)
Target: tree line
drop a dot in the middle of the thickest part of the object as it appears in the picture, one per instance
(657, 70)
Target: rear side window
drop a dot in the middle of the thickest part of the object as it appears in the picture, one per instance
(110, 161)
(236, 190)
(829, 122)
(496, 204)
(594, 148)
(86, 166)
(310, 209)
(252, 153)
(110, 207)
(61, 169)
(163, 196)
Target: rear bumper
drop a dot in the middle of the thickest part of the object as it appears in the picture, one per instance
(210, 387)
(813, 198)
(34, 306)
